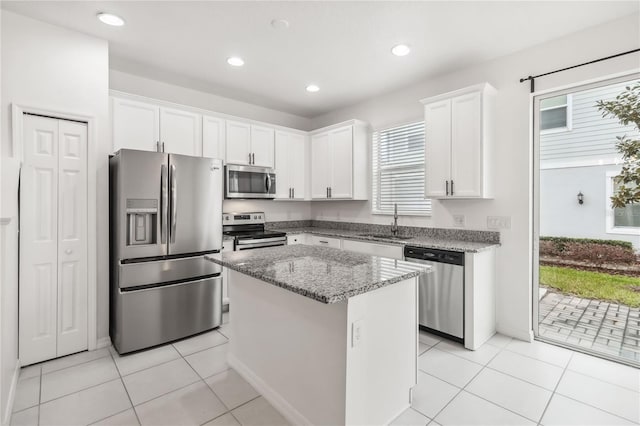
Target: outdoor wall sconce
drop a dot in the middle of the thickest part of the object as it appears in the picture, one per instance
(580, 198)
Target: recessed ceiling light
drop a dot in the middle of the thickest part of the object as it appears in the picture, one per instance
(235, 61)
(312, 88)
(280, 24)
(400, 50)
(110, 19)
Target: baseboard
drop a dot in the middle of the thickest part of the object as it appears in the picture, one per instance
(103, 342)
(523, 335)
(274, 398)
(12, 394)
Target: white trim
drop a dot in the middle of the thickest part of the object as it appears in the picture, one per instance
(609, 213)
(12, 394)
(5, 221)
(592, 81)
(103, 342)
(278, 401)
(17, 112)
(579, 163)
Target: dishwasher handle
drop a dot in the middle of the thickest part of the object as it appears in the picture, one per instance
(434, 255)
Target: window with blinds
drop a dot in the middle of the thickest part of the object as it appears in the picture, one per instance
(398, 170)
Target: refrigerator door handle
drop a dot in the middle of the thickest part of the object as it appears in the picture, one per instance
(174, 203)
(164, 204)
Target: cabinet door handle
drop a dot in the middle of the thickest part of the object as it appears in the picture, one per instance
(253, 158)
(323, 242)
(162, 146)
(330, 194)
(451, 186)
(447, 187)
(249, 158)
(327, 192)
(158, 146)
(293, 193)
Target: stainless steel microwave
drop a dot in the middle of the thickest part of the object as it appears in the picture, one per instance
(249, 182)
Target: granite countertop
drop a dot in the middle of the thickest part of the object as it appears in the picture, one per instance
(324, 274)
(417, 241)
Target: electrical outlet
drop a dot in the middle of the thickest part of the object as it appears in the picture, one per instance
(356, 333)
(458, 220)
(499, 222)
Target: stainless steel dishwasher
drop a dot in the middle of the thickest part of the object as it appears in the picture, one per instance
(441, 291)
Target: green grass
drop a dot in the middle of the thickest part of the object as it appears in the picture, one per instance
(592, 285)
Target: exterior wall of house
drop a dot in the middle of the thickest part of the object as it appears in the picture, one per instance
(591, 139)
(578, 160)
(562, 216)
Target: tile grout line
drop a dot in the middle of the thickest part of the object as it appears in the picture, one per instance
(553, 393)
(74, 365)
(133, 407)
(40, 396)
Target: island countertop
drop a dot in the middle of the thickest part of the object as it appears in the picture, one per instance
(325, 274)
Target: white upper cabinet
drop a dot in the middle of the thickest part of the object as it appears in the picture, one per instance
(213, 137)
(238, 142)
(290, 165)
(250, 144)
(262, 146)
(458, 140)
(180, 132)
(136, 125)
(145, 126)
(339, 162)
(320, 165)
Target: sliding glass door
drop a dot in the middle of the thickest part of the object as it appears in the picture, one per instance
(587, 221)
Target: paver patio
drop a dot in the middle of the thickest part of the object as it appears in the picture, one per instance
(605, 327)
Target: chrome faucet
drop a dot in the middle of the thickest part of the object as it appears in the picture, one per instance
(394, 225)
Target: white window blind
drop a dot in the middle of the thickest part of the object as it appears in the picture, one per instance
(398, 170)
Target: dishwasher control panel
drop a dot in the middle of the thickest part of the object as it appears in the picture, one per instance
(434, 255)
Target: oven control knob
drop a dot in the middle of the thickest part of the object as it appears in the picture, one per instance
(259, 216)
(255, 217)
(226, 218)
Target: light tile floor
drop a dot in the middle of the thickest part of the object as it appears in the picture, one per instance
(189, 383)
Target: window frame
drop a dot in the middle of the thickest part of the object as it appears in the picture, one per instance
(610, 214)
(377, 175)
(569, 123)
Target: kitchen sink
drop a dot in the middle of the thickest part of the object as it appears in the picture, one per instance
(386, 236)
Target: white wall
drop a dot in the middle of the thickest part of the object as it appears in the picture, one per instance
(512, 162)
(56, 69)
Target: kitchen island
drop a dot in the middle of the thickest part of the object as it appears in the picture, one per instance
(327, 336)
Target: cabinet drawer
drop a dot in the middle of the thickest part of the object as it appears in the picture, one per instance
(325, 241)
(297, 239)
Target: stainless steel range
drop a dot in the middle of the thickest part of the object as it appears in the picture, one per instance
(248, 231)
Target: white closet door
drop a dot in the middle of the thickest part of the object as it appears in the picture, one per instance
(72, 238)
(38, 241)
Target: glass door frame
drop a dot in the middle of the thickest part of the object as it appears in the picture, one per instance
(536, 98)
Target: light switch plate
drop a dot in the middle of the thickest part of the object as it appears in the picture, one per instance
(458, 220)
(499, 222)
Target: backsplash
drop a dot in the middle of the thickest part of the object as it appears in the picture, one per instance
(492, 237)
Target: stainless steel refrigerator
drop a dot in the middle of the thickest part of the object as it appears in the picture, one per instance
(165, 216)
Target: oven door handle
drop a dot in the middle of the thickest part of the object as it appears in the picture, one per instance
(261, 240)
(260, 245)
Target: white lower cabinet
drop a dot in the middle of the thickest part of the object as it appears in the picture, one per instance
(53, 240)
(297, 239)
(317, 240)
(374, 249)
(227, 245)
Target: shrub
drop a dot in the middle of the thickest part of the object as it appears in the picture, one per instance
(592, 251)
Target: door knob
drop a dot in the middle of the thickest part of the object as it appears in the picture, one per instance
(68, 251)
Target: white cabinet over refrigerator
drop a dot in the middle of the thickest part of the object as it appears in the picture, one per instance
(458, 143)
(148, 127)
(53, 240)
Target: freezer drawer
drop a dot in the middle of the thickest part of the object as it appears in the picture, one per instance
(162, 271)
(149, 317)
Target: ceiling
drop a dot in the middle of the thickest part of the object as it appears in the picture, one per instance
(343, 47)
